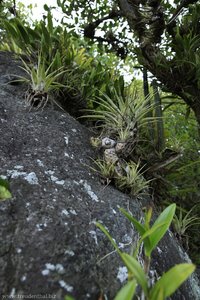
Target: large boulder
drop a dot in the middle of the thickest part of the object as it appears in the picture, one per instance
(50, 245)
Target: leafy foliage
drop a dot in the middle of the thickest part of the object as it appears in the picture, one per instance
(138, 275)
(183, 221)
(4, 190)
(133, 181)
(121, 114)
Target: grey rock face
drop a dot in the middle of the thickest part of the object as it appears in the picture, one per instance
(49, 242)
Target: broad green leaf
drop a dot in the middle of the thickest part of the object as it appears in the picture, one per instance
(165, 218)
(140, 228)
(4, 183)
(146, 238)
(127, 292)
(69, 298)
(148, 216)
(4, 193)
(171, 280)
(134, 267)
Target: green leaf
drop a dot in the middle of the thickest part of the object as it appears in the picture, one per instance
(165, 218)
(147, 237)
(4, 190)
(171, 281)
(69, 298)
(50, 22)
(134, 267)
(23, 33)
(11, 30)
(127, 292)
(139, 227)
(46, 35)
(4, 183)
(46, 7)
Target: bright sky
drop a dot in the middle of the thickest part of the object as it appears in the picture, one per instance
(37, 11)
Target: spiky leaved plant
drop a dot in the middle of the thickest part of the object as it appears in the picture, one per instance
(42, 81)
(120, 115)
(104, 169)
(183, 221)
(133, 180)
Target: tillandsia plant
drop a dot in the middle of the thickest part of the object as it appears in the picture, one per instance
(104, 169)
(150, 236)
(42, 82)
(184, 220)
(121, 115)
(132, 180)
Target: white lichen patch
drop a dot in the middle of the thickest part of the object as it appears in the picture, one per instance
(41, 226)
(60, 269)
(3, 120)
(12, 293)
(66, 140)
(127, 239)
(70, 252)
(30, 177)
(121, 245)
(23, 278)
(114, 211)
(49, 149)
(65, 286)
(60, 182)
(94, 236)
(40, 163)
(73, 212)
(49, 172)
(65, 212)
(18, 167)
(122, 274)
(45, 272)
(89, 191)
(29, 218)
(50, 266)
(56, 180)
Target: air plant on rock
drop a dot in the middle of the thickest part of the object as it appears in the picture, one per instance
(120, 116)
(42, 82)
(133, 180)
(184, 220)
(104, 169)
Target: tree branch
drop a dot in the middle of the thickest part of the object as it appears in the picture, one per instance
(183, 4)
(89, 30)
